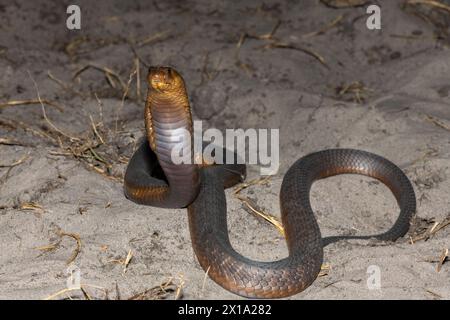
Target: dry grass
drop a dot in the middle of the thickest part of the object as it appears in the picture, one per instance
(13, 103)
(435, 13)
(64, 85)
(442, 259)
(32, 206)
(326, 28)
(430, 232)
(431, 3)
(138, 79)
(77, 249)
(286, 45)
(124, 96)
(12, 142)
(159, 36)
(15, 163)
(163, 291)
(55, 245)
(325, 270)
(125, 261)
(434, 294)
(54, 127)
(253, 208)
(82, 45)
(16, 124)
(83, 289)
(274, 43)
(113, 78)
(209, 73)
(339, 4)
(92, 148)
(354, 91)
(437, 122)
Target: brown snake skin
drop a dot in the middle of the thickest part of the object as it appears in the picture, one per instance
(167, 113)
(151, 178)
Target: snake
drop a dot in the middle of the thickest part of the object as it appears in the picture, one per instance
(153, 178)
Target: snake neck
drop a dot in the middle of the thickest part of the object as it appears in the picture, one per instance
(168, 121)
(162, 108)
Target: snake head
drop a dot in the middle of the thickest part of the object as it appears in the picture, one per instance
(164, 79)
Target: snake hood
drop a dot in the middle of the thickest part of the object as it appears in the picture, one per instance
(164, 80)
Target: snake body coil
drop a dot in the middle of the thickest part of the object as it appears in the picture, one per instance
(202, 190)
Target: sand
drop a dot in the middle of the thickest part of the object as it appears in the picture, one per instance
(58, 175)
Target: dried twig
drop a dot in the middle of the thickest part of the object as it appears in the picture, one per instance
(442, 259)
(85, 294)
(282, 45)
(266, 36)
(153, 38)
(329, 26)
(77, 250)
(12, 103)
(209, 75)
(127, 260)
(64, 85)
(437, 122)
(431, 3)
(266, 216)
(245, 185)
(356, 89)
(82, 288)
(138, 55)
(61, 292)
(163, 291)
(15, 163)
(22, 125)
(109, 74)
(48, 247)
(324, 270)
(427, 234)
(204, 278)
(32, 206)
(252, 207)
(337, 4)
(125, 94)
(45, 114)
(94, 128)
(138, 79)
(12, 142)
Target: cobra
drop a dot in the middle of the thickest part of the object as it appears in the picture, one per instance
(151, 178)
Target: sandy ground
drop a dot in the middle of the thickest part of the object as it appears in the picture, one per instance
(58, 176)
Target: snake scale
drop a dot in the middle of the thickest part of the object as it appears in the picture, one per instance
(152, 178)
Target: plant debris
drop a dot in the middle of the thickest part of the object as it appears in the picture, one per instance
(13, 103)
(53, 246)
(165, 290)
(32, 206)
(253, 207)
(430, 232)
(436, 13)
(355, 91)
(442, 259)
(340, 4)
